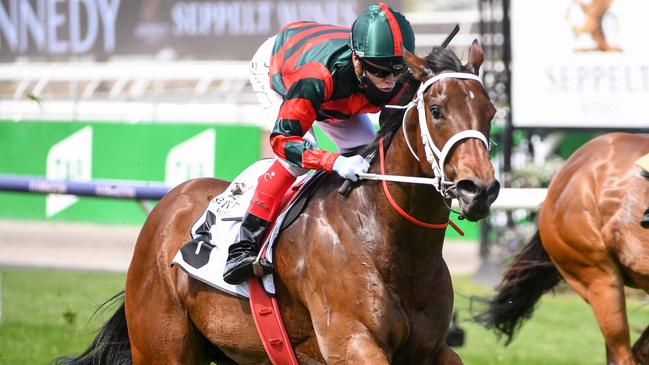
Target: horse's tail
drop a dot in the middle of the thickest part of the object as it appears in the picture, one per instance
(530, 276)
(111, 346)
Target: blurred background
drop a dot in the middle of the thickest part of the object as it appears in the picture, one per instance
(124, 99)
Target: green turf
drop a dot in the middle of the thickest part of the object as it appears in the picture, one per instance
(45, 314)
(562, 331)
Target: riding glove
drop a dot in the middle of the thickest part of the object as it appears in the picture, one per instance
(349, 167)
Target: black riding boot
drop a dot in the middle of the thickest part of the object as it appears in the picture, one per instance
(243, 253)
(645, 219)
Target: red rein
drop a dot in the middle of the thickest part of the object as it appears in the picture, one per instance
(401, 211)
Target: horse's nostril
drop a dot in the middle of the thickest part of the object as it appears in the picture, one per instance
(467, 188)
(492, 191)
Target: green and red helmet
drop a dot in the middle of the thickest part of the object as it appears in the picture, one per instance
(381, 33)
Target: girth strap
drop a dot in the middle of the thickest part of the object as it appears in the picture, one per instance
(270, 326)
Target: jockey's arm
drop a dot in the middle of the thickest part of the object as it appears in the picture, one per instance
(296, 116)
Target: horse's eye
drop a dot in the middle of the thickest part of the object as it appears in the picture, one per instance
(434, 111)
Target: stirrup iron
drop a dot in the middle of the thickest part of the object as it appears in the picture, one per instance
(262, 267)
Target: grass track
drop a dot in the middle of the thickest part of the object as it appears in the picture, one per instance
(45, 314)
(562, 331)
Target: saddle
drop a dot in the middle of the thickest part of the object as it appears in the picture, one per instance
(204, 257)
(304, 194)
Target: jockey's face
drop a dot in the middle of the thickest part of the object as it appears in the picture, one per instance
(386, 83)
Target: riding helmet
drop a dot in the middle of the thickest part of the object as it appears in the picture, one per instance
(380, 33)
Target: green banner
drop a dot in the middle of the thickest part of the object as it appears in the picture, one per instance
(167, 153)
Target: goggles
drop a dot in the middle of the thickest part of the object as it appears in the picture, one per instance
(395, 69)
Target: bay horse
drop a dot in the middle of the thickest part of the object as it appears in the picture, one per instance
(589, 234)
(356, 282)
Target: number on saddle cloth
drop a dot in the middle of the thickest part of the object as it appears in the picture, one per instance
(197, 251)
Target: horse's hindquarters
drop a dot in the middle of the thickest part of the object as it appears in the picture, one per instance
(156, 294)
(590, 227)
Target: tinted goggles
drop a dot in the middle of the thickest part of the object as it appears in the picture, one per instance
(395, 69)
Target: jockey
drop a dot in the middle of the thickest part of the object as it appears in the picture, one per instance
(311, 72)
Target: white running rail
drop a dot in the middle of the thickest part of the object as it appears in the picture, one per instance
(516, 198)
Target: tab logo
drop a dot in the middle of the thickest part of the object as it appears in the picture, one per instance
(70, 159)
(191, 159)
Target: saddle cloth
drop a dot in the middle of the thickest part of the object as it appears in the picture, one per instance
(222, 219)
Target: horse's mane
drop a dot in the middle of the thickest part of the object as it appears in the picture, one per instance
(439, 60)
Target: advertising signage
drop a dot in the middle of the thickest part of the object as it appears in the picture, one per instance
(60, 29)
(580, 64)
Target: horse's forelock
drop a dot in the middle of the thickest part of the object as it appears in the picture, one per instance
(443, 59)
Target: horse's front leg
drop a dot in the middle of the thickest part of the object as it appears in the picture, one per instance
(641, 348)
(347, 341)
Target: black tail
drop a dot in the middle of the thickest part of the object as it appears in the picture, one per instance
(111, 346)
(530, 276)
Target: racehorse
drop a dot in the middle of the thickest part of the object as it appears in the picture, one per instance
(356, 282)
(588, 234)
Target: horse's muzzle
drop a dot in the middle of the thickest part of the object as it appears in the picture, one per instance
(476, 197)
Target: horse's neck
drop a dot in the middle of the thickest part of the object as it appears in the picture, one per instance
(422, 202)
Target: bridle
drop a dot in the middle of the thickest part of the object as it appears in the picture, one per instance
(436, 157)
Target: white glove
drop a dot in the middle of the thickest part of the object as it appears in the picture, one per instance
(349, 167)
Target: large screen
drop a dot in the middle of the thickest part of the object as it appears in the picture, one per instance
(203, 29)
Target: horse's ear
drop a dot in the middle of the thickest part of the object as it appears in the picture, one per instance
(418, 66)
(476, 56)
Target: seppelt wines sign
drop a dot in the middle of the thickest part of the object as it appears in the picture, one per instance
(60, 29)
(580, 63)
